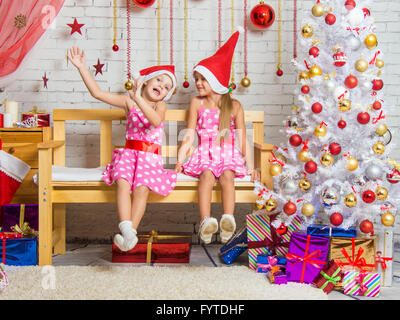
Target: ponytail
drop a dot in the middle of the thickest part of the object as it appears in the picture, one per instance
(225, 117)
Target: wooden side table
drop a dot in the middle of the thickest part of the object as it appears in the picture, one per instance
(22, 143)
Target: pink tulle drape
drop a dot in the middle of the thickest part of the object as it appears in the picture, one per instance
(22, 23)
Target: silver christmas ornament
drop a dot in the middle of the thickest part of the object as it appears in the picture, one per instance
(289, 186)
(330, 85)
(330, 196)
(373, 172)
(366, 85)
(353, 42)
(361, 181)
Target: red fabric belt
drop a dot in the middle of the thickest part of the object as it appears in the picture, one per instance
(143, 146)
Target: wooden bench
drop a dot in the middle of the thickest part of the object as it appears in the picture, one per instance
(54, 195)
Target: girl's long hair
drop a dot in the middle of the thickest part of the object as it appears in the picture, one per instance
(225, 106)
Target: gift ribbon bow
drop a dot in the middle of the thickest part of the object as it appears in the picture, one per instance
(23, 227)
(359, 280)
(375, 120)
(35, 111)
(8, 235)
(357, 262)
(382, 260)
(271, 266)
(275, 159)
(308, 258)
(334, 278)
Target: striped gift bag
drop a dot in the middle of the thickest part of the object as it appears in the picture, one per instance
(263, 239)
(358, 283)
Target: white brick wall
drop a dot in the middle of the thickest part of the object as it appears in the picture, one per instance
(268, 92)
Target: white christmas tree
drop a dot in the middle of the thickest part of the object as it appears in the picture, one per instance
(337, 161)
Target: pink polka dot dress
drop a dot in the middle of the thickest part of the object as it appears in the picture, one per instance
(137, 167)
(209, 155)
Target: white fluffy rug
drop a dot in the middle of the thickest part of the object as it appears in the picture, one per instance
(148, 282)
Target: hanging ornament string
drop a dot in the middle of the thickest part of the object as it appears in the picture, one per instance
(115, 46)
(186, 83)
(295, 29)
(171, 25)
(279, 71)
(128, 84)
(245, 82)
(232, 30)
(219, 23)
(158, 33)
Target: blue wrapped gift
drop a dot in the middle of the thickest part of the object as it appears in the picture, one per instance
(265, 262)
(234, 247)
(327, 231)
(19, 252)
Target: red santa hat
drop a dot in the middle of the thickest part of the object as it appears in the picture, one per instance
(149, 73)
(217, 68)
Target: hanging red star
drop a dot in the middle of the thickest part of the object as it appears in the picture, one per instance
(98, 67)
(76, 27)
(45, 79)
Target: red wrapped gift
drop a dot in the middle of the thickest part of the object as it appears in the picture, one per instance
(157, 248)
(41, 118)
(329, 277)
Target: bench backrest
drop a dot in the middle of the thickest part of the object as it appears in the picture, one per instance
(106, 116)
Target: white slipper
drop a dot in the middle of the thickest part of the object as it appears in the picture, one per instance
(227, 225)
(208, 227)
(123, 245)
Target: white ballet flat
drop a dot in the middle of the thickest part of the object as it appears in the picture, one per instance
(208, 227)
(123, 245)
(227, 225)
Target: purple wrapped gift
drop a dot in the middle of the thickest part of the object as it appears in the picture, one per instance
(277, 277)
(306, 257)
(20, 214)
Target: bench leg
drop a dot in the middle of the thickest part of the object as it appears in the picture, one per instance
(59, 228)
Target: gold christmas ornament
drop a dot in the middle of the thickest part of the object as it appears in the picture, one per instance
(350, 200)
(275, 170)
(245, 82)
(381, 193)
(304, 156)
(304, 184)
(307, 31)
(318, 10)
(381, 129)
(320, 131)
(270, 205)
(344, 105)
(371, 41)
(361, 65)
(352, 164)
(378, 148)
(128, 85)
(327, 159)
(315, 71)
(379, 63)
(260, 206)
(387, 219)
(304, 75)
(281, 157)
(307, 210)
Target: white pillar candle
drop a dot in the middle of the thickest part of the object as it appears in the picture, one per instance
(8, 120)
(12, 108)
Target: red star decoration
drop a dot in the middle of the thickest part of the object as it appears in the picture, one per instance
(75, 27)
(45, 79)
(98, 67)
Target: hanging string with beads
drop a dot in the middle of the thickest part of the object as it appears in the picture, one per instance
(279, 71)
(233, 85)
(171, 26)
(158, 33)
(295, 29)
(115, 46)
(219, 23)
(185, 22)
(245, 82)
(128, 84)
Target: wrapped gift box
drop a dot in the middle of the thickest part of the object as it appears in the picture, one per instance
(357, 283)
(40, 117)
(266, 262)
(278, 277)
(234, 247)
(18, 251)
(330, 276)
(384, 254)
(263, 238)
(20, 216)
(327, 231)
(306, 257)
(157, 248)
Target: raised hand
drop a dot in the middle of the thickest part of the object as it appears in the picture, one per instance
(77, 57)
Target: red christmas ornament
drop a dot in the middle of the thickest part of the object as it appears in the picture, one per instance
(336, 219)
(366, 226)
(143, 3)
(351, 82)
(393, 177)
(377, 84)
(330, 19)
(342, 124)
(115, 47)
(316, 107)
(310, 166)
(339, 59)
(350, 4)
(314, 51)
(262, 16)
(366, 12)
(289, 208)
(377, 105)
(186, 84)
(363, 117)
(305, 89)
(282, 229)
(335, 148)
(295, 140)
(279, 72)
(368, 196)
